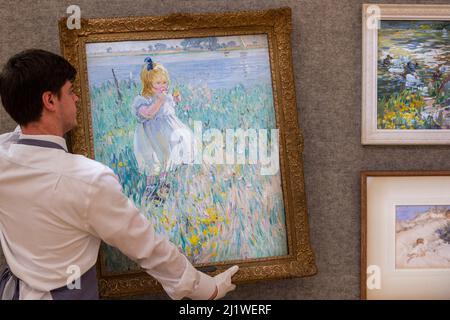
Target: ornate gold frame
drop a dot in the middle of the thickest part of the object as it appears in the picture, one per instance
(276, 24)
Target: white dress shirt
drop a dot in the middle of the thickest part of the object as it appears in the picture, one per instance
(56, 207)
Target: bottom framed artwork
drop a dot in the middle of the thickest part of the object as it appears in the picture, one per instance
(405, 235)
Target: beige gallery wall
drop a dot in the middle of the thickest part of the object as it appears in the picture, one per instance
(326, 48)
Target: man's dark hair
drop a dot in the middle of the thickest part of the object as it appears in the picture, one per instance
(26, 76)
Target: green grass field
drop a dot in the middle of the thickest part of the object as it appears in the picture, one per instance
(213, 213)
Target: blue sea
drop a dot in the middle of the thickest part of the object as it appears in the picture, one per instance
(216, 69)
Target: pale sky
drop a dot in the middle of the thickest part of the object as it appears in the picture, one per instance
(138, 45)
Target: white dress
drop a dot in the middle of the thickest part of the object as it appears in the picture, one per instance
(163, 142)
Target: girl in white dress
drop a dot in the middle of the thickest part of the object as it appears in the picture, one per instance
(161, 141)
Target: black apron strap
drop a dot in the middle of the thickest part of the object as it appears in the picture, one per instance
(9, 285)
(88, 281)
(88, 288)
(10, 290)
(40, 143)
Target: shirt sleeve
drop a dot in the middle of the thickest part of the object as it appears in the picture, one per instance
(7, 139)
(114, 218)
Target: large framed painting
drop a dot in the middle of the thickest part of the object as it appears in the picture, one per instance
(405, 235)
(406, 74)
(197, 116)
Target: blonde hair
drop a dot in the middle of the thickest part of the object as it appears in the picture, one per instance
(149, 77)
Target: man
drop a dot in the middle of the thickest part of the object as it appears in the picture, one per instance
(56, 207)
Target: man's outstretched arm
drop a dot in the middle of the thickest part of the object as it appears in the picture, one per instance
(114, 218)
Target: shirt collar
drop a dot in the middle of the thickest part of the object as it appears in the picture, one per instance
(50, 138)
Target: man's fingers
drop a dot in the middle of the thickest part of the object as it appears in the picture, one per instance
(233, 270)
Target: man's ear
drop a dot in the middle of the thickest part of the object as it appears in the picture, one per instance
(48, 101)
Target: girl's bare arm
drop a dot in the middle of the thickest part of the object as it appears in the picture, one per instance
(150, 111)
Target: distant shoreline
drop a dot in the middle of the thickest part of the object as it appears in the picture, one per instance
(165, 52)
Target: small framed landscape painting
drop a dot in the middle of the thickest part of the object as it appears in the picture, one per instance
(405, 235)
(406, 74)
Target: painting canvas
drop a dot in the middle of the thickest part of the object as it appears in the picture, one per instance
(196, 114)
(406, 74)
(222, 84)
(413, 75)
(422, 237)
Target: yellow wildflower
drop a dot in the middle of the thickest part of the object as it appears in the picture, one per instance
(194, 239)
(390, 115)
(214, 230)
(210, 210)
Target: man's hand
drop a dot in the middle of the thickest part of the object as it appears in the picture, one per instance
(223, 283)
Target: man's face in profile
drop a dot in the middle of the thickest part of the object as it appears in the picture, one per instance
(68, 106)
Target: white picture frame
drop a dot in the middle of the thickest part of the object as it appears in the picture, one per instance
(372, 15)
(382, 278)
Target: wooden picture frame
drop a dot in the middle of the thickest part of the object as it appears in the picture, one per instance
(405, 74)
(275, 26)
(405, 241)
